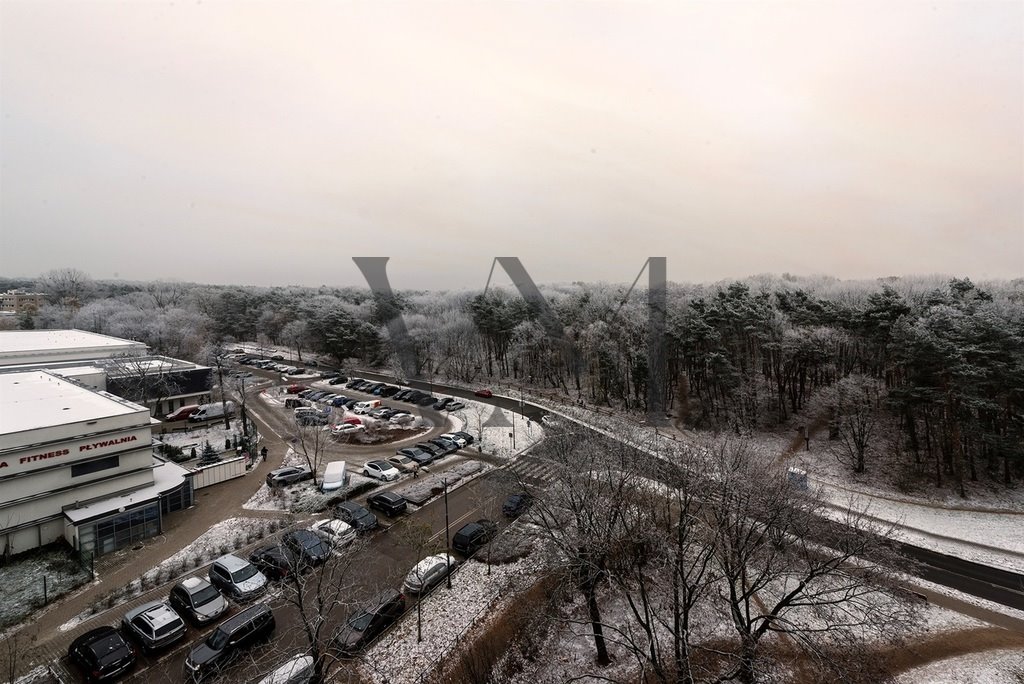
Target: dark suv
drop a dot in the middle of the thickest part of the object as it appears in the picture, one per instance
(236, 633)
(310, 547)
(276, 562)
(101, 653)
(473, 536)
(356, 516)
(516, 504)
(366, 623)
(389, 503)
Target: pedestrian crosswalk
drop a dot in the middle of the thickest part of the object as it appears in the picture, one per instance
(532, 470)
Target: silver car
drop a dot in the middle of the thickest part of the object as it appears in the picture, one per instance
(237, 578)
(154, 625)
(198, 600)
(428, 573)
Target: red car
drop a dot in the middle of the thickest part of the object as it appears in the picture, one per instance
(295, 389)
(484, 393)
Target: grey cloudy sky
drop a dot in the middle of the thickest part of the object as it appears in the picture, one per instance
(268, 143)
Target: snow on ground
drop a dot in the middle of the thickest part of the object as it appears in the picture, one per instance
(989, 667)
(22, 581)
(215, 433)
(447, 615)
(990, 538)
(40, 673)
(493, 429)
(301, 497)
(420, 489)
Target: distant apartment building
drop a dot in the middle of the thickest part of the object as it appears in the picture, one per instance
(19, 301)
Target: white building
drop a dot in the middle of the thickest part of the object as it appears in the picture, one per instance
(121, 366)
(78, 463)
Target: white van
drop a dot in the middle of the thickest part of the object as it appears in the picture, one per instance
(211, 411)
(334, 477)
(366, 406)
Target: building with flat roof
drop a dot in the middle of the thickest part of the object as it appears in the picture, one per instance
(78, 463)
(159, 382)
(25, 347)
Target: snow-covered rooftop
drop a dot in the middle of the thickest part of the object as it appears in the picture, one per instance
(26, 346)
(39, 399)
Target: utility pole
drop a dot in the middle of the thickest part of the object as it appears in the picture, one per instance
(447, 537)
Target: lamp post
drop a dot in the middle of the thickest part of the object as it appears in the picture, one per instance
(447, 537)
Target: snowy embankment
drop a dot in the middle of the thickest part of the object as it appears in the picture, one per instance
(988, 667)
(448, 614)
(421, 489)
(215, 433)
(498, 432)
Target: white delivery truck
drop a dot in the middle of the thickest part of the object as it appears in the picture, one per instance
(366, 406)
(212, 411)
(334, 477)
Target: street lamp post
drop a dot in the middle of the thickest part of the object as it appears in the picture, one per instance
(447, 537)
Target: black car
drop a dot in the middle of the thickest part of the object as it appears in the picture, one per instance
(310, 546)
(288, 475)
(337, 380)
(389, 391)
(276, 561)
(426, 400)
(433, 449)
(387, 502)
(472, 536)
(414, 396)
(464, 435)
(516, 504)
(365, 624)
(441, 403)
(421, 457)
(236, 633)
(401, 394)
(355, 515)
(102, 654)
(448, 445)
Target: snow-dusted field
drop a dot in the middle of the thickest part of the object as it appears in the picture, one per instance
(989, 667)
(447, 614)
(22, 582)
(492, 427)
(214, 433)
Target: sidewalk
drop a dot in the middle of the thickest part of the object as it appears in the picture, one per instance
(181, 528)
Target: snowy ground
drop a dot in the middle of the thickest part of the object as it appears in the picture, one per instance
(301, 497)
(989, 667)
(215, 433)
(22, 581)
(421, 489)
(447, 615)
(492, 427)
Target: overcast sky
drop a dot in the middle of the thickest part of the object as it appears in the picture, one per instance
(269, 143)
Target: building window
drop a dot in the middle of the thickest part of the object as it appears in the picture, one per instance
(120, 530)
(80, 469)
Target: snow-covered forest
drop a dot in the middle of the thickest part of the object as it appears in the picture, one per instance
(939, 359)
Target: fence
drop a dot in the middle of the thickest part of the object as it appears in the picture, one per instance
(218, 472)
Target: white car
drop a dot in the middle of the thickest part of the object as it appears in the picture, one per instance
(428, 573)
(381, 470)
(455, 406)
(455, 438)
(402, 419)
(337, 533)
(346, 428)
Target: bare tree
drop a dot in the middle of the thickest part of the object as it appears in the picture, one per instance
(855, 405)
(420, 537)
(15, 649)
(310, 444)
(789, 570)
(66, 286)
(142, 379)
